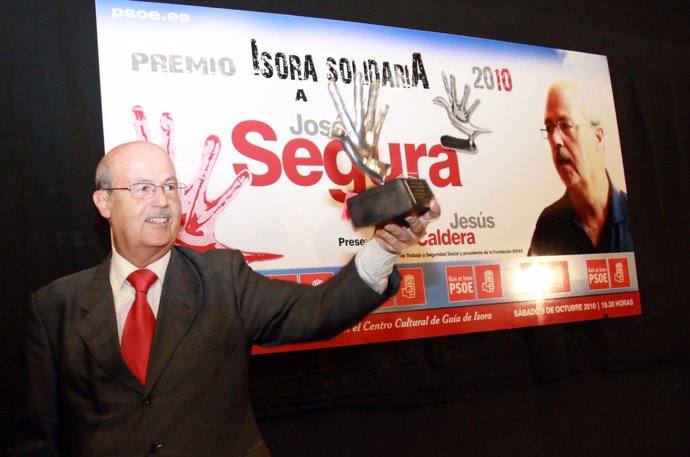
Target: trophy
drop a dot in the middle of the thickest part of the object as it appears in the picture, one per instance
(388, 201)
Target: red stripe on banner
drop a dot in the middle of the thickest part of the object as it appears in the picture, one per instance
(405, 325)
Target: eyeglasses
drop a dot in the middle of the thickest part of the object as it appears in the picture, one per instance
(567, 128)
(148, 190)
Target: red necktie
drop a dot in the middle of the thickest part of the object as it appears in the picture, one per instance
(138, 331)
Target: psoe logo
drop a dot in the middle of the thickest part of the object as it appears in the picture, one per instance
(150, 15)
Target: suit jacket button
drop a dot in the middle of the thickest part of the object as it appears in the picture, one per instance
(148, 400)
(153, 448)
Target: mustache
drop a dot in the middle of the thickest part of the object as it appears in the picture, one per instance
(161, 212)
(562, 156)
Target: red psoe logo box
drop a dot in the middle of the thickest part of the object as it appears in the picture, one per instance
(560, 276)
(597, 274)
(412, 291)
(489, 283)
(314, 279)
(460, 283)
(285, 277)
(619, 272)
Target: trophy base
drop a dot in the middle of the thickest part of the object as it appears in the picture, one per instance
(391, 201)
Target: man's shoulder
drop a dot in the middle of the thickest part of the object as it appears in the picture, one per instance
(214, 268)
(69, 284)
(561, 209)
(618, 209)
(212, 259)
(554, 224)
(211, 255)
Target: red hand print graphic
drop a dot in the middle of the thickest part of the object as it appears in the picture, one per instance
(199, 213)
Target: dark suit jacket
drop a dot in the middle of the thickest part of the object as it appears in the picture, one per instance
(82, 400)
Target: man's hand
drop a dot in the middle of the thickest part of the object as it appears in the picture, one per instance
(394, 238)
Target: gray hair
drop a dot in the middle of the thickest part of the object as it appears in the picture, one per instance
(588, 104)
(103, 177)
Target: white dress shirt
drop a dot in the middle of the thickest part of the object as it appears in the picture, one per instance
(123, 291)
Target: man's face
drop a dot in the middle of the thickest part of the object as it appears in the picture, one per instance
(576, 145)
(143, 229)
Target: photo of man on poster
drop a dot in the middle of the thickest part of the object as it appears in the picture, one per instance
(592, 215)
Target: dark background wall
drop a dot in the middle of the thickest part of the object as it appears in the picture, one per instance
(615, 387)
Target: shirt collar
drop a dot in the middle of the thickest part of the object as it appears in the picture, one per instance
(121, 268)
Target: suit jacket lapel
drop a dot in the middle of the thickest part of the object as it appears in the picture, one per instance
(180, 303)
(98, 329)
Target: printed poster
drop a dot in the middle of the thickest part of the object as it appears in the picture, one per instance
(240, 101)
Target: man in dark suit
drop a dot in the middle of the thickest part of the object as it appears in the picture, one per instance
(87, 395)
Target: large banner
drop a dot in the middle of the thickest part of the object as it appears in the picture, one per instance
(240, 100)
